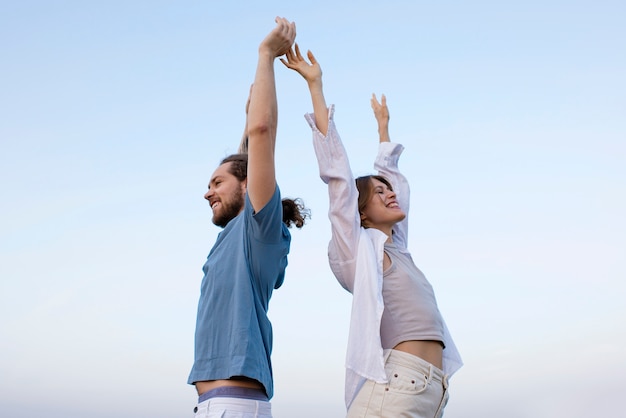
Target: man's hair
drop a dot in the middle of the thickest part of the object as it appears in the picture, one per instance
(294, 211)
(239, 166)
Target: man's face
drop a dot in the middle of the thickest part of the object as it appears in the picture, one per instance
(225, 195)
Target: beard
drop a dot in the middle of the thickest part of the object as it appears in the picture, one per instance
(229, 209)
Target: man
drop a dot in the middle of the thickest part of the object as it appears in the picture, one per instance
(232, 370)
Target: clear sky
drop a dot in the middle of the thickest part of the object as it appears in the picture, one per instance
(113, 115)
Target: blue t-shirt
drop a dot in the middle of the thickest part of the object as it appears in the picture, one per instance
(248, 261)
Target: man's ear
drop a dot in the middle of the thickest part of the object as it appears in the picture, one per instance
(244, 185)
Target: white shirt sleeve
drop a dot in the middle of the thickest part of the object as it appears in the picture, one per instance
(386, 164)
(343, 212)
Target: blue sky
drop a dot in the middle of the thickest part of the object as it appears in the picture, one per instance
(114, 114)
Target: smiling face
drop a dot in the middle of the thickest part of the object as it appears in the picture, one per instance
(378, 206)
(225, 195)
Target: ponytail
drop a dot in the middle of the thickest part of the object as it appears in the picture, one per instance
(295, 213)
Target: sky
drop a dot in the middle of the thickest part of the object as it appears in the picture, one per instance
(114, 114)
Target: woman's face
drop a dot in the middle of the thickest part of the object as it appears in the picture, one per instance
(382, 210)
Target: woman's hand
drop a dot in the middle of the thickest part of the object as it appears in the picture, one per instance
(310, 72)
(381, 113)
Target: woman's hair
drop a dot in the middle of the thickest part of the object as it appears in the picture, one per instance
(294, 211)
(366, 188)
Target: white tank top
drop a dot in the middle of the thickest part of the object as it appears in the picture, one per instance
(411, 311)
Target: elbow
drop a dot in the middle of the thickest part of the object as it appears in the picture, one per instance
(259, 130)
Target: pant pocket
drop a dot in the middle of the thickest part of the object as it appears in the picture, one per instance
(405, 380)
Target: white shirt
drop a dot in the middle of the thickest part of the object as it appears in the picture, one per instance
(355, 254)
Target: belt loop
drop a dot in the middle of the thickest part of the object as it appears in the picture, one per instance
(445, 382)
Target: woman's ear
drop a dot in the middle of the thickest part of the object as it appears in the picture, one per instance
(363, 220)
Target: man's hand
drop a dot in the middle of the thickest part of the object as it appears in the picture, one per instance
(280, 39)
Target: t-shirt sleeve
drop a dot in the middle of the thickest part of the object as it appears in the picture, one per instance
(266, 224)
(268, 241)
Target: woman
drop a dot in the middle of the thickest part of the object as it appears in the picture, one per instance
(400, 353)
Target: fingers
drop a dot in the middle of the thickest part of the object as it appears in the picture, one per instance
(383, 106)
(376, 105)
(287, 30)
(294, 57)
(311, 57)
(290, 29)
(298, 52)
(291, 64)
(291, 58)
(290, 55)
(286, 27)
(374, 102)
(381, 112)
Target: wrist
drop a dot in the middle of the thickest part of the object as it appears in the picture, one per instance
(315, 88)
(265, 52)
(315, 83)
